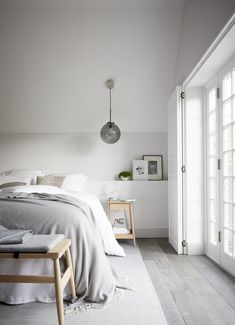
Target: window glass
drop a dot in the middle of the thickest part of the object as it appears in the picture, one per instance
(227, 113)
(228, 189)
(228, 215)
(213, 233)
(227, 138)
(212, 99)
(228, 241)
(227, 86)
(228, 163)
(212, 145)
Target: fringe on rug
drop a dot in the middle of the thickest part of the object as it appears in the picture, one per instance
(79, 306)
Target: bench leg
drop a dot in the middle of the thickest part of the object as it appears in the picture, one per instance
(59, 292)
(71, 280)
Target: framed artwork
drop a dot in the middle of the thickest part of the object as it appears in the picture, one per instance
(118, 219)
(155, 167)
(140, 170)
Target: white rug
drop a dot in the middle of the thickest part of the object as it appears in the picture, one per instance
(139, 307)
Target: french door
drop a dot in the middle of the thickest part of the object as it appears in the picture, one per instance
(212, 159)
(220, 103)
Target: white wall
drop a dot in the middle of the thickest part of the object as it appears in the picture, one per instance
(85, 152)
(202, 21)
(150, 207)
(80, 152)
(56, 57)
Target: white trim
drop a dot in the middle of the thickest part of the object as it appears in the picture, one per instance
(210, 50)
(212, 251)
(195, 249)
(174, 244)
(174, 168)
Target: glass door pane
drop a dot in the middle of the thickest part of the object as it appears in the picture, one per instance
(212, 169)
(228, 170)
(220, 163)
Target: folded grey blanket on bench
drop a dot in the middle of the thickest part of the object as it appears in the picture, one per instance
(35, 244)
(13, 236)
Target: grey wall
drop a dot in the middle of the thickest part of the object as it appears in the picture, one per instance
(202, 21)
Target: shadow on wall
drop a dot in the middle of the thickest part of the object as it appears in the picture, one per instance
(52, 152)
(82, 143)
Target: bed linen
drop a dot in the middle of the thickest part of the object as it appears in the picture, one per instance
(110, 244)
(54, 214)
(10, 236)
(35, 243)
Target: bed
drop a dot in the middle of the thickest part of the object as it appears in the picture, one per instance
(78, 215)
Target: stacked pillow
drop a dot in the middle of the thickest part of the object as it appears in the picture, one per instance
(50, 180)
(7, 181)
(19, 177)
(70, 182)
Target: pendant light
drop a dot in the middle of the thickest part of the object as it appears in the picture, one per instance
(110, 132)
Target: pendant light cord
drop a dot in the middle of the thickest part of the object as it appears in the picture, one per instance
(110, 113)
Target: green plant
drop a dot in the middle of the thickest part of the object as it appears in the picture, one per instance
(125, 174)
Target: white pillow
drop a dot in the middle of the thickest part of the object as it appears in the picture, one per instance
(32, 173)
(74, 182)
(39, 189)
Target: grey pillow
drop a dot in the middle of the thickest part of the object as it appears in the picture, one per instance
(50, 180)
(10, 184)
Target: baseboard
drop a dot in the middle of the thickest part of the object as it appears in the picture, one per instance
(193, 249)
(196, 249)
(151, 232)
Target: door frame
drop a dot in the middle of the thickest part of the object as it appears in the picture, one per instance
(174, 170)
(212, 252)
(226, 261)
(184, 85)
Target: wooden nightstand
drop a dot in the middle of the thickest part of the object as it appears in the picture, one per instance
(126, 206)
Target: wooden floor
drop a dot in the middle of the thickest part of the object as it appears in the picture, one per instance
(191, 289)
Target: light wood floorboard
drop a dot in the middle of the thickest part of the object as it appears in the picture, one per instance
(192, 289)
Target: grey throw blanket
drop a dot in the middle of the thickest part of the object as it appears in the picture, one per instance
(60, 214)
(10, 236)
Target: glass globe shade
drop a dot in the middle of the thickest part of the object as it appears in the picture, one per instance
(110, 133)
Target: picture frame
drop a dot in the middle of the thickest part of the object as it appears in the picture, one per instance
(118, 219)
(140, 170)
(155, 167)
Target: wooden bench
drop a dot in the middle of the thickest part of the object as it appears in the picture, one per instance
(60, 281)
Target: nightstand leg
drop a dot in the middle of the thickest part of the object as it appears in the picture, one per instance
(132, 222)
